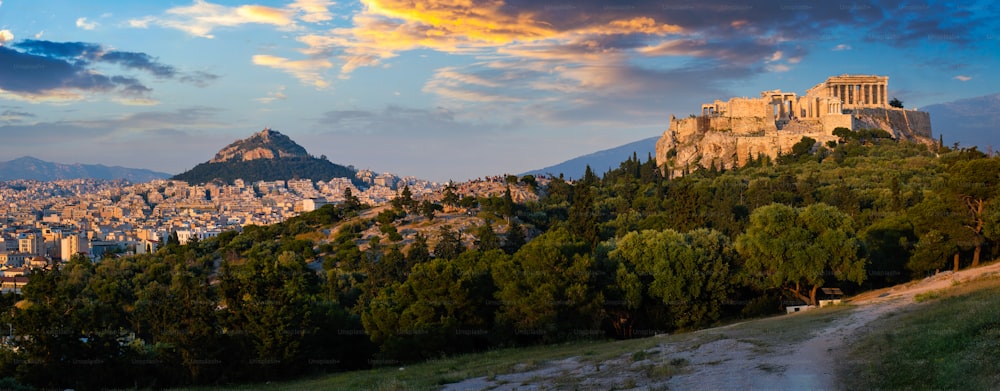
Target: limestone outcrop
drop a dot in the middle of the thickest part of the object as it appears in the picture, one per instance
(728, 133)
(266, 144)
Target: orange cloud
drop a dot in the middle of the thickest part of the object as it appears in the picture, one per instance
(387, 27)
(677, 47)
(637, 25)
(263, 15)
(5, 36)
(307, 71)
(202, 17)
(60, 95)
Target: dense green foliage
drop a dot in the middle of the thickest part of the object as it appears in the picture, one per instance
(625, 255)
(266, 170)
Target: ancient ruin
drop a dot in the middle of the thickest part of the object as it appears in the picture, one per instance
(726, 133)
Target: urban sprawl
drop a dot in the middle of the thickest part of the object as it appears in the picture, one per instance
(44, 223)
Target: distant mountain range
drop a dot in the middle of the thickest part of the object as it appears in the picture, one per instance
(601, 161)
(31, 168)
(267, 155)
(972, 121)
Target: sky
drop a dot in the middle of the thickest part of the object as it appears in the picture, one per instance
(443, 89)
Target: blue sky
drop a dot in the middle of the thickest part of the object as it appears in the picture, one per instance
(443, 89)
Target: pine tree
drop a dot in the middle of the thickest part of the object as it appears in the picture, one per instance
(516, 237)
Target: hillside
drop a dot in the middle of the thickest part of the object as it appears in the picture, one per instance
(806, 350)
(600, 161)
(35, 169)
(267, 155)
(627, 255)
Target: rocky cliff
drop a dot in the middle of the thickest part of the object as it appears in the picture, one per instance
(729, 141)
(266, 144)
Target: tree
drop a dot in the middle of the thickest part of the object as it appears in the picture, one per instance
(895, 102)
(976, 183)
(350, 201)
(173, 239)
(942, 213)
(270, 302)
(930, 252)
(796, 249)
(427, 209)
(844, 134)
(582, 214)
(450, 198)
(515, 237)
(440, 308)
(486, 238)
(418, 250)
(690, 272)
(406, 200)
(800, 149)
(507, 206)
(889, 243)
(546, 289)
(449, 244)
(530, 180)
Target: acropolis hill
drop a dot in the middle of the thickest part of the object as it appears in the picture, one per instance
(727, 133)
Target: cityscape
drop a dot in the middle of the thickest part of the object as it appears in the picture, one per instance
(53, 221)
(499, 195)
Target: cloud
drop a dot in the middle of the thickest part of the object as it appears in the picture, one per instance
(140, 61)
(201, 18)
(963, 78)
(778, 68)
(313, 11)
(39, 78)
(38, 70)
(83, 23)
(272, 96)
(611, 91)
(722, 31)
(199, 78)
(307, 71)
(61, 50)
(6, 36)
(14, 116)
(934, 23)
(841, 47)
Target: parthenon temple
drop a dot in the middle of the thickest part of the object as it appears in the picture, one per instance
(727, 132)
(832, 97)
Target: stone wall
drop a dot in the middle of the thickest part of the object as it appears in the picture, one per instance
(747, 107)
(833, 121)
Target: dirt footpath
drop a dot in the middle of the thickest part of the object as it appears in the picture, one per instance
(791, 352)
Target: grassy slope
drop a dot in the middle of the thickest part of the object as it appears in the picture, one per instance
(949, 341)
(764, 333)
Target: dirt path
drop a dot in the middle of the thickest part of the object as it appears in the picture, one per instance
(791, 352)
